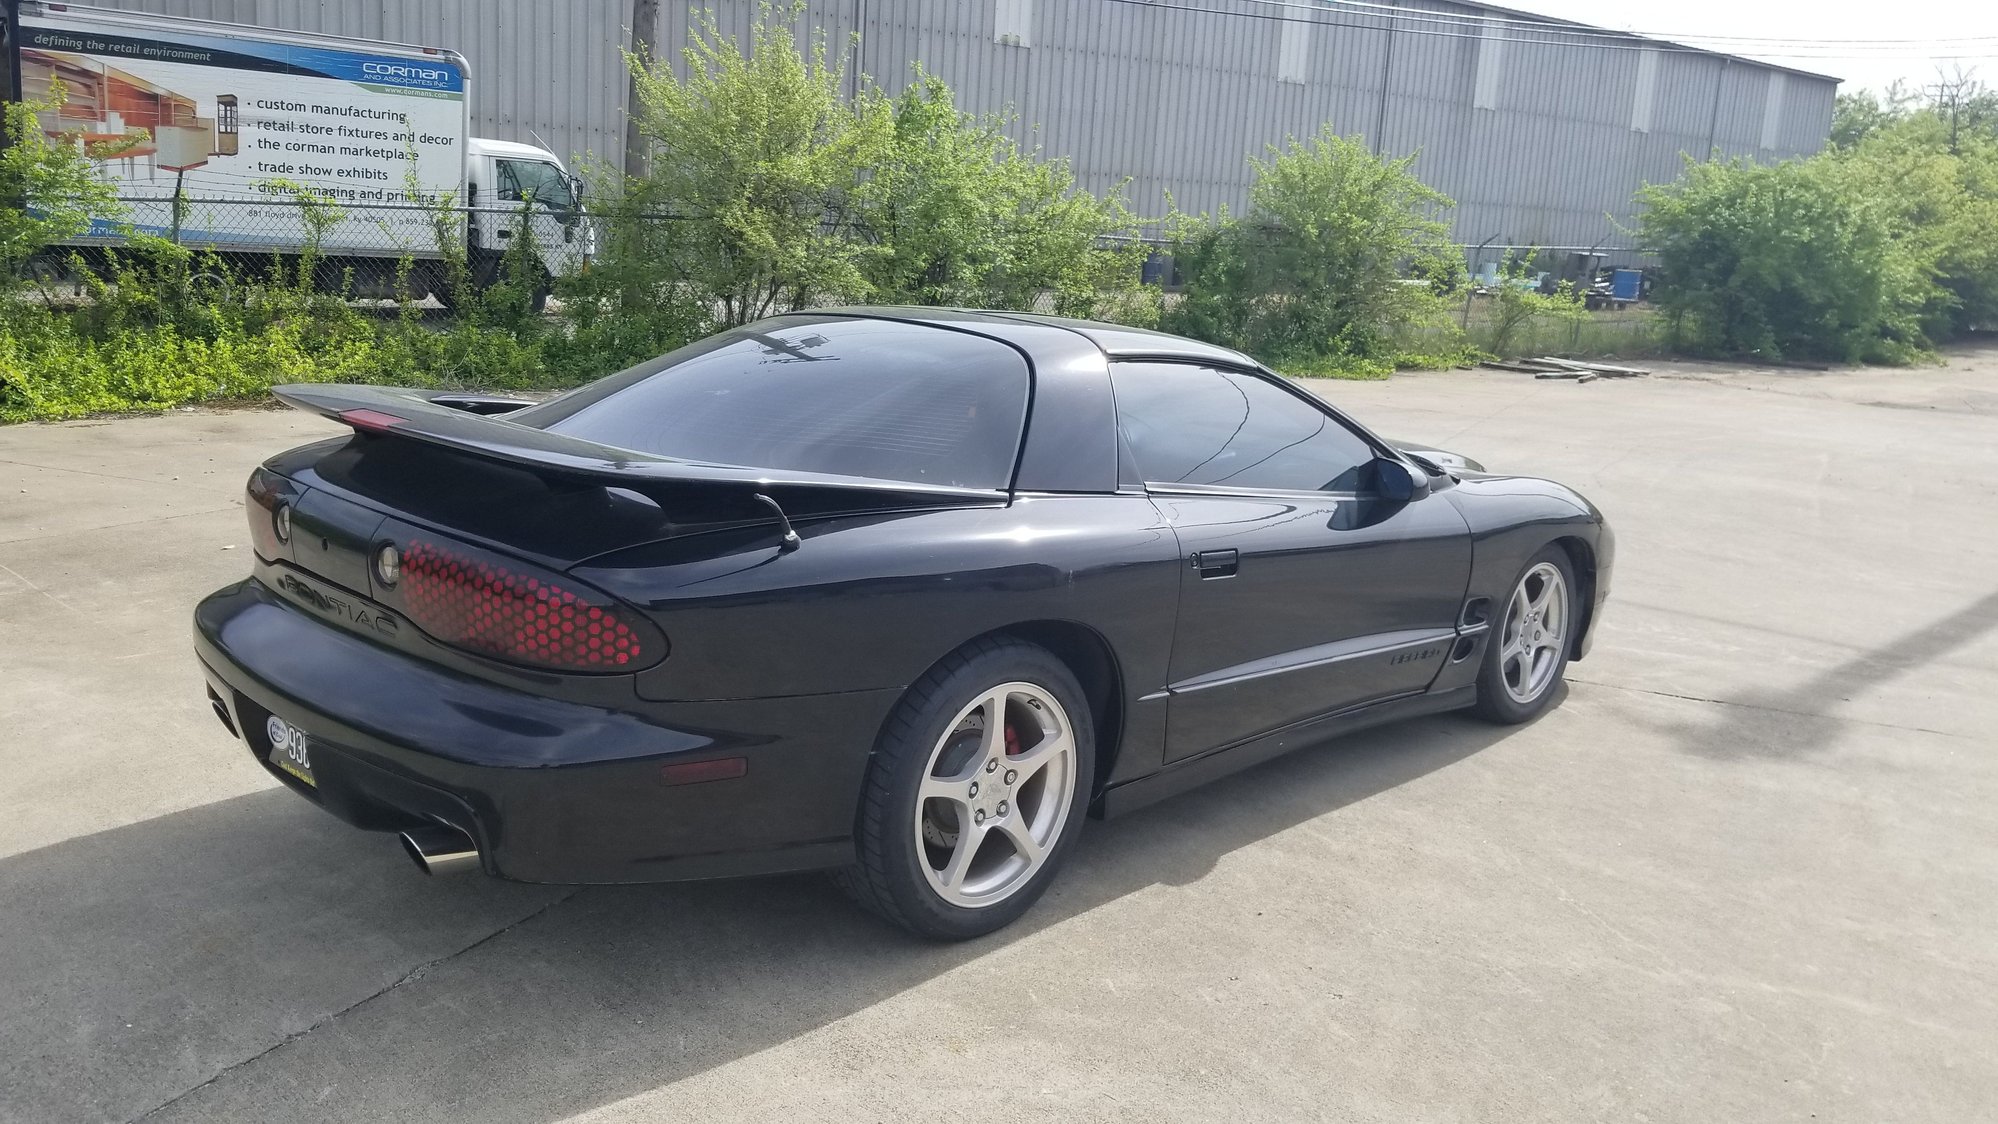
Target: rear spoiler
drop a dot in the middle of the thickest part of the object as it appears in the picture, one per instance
(412, 415)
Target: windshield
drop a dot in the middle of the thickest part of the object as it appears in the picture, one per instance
(534, 181)
(826, 394)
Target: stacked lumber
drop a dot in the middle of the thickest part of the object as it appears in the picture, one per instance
(1549, 367)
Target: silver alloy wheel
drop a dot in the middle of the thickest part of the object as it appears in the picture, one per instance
(988, 813)
(1535, 633)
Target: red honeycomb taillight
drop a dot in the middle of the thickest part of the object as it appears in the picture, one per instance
(472, 600)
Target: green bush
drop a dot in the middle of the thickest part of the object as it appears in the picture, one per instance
(49, 188)
(1876, 250)
(756, 160)
(961, 216)
(1797, 259)
(1318, 268)
(1941, 196)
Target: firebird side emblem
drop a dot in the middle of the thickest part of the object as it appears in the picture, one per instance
(327, 603)
(1410, 657)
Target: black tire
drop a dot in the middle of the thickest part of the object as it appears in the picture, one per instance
(1496, 701)
(886, 878)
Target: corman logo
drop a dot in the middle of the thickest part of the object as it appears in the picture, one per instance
(404, 72)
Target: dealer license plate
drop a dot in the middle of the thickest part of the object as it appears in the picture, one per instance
(291, 750)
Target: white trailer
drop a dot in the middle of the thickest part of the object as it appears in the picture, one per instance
(216, 134)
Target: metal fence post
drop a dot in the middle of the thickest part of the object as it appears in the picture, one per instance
(179, 202)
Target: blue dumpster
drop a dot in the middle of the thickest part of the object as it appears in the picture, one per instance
(1625, 284)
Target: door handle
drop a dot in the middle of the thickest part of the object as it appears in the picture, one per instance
(1217, 563)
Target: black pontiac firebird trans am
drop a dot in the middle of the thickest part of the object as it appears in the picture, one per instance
(902, 593)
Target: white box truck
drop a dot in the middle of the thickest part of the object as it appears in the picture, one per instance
(211, 131)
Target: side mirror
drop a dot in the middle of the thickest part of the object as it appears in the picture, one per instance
(1397, 482)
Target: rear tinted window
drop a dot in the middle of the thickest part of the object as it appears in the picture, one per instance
(873, 398)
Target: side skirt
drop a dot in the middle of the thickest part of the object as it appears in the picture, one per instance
(1196, 771)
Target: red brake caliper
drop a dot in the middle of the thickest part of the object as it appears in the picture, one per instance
(1012, 741)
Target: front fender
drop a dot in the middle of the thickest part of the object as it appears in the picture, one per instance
(1513, 518)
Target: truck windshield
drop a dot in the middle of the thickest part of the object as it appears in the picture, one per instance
(883, 399)
(535, 182)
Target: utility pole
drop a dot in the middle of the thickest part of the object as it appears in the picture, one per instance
(644, 36)
(10, 85)
(10, 60)
(1387, 82)
(1713, 122)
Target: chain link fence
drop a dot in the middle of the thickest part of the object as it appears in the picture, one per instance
(357, 250)
(369, 250)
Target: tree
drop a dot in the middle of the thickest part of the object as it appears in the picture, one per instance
(1942, 198)
(50, 188)
(1857, 115)
(1802, 258)
(1963, 105)
(756, 166)
(962, 216)
(1931, 161)
(1315, 269)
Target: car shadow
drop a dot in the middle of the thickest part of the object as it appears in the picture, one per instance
(139, 963)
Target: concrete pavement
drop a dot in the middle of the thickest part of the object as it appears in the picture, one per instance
(1747, 871)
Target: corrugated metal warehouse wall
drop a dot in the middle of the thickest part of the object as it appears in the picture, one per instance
(1541, 133)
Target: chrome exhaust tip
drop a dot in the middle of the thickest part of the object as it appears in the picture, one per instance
(441, 850)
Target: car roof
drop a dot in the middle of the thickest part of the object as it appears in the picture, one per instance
(1117, 341)
(1120, 341)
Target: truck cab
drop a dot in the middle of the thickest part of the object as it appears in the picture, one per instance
(515, 190)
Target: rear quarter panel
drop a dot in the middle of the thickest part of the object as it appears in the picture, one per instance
(872, 602)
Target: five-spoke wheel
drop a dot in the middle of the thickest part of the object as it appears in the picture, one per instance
(996, 794)
(1535, 632)
(1528, 651)
(976, 790)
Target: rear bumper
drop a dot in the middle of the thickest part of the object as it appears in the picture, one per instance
(551, 790)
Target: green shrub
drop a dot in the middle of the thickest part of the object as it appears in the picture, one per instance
(1942, 198)
(756, 160)
(1794, 259)
(632, 304)
(50, 189)
(1317, 268)
(962, 216)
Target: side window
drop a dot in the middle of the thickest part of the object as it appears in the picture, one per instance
(509, 180)
(1188, 424)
